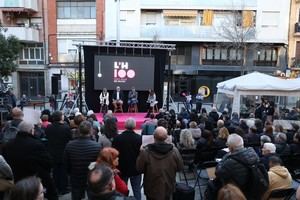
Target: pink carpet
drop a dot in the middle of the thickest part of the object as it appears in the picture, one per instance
(139, 118)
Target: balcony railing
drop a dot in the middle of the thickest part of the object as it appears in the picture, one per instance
(23, 33)
(179, 32)
(22, 4)
(224, 4)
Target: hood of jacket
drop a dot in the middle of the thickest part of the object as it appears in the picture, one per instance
(280, 171)
(245, 155)
(160, 149)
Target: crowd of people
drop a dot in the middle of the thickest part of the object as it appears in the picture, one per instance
(93, 159)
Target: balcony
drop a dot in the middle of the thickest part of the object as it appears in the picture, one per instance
(222, 4)
(19, 5)
(186, 33)
(24, 34)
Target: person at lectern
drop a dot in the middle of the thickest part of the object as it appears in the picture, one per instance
(117, 99)
(104, 100)
(132, 97)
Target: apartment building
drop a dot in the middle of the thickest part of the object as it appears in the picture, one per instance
(215, 40)
(294, 39)
(71, 22)
(25, 20)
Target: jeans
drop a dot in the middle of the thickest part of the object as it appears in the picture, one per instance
(135, 184)
(60, 177)
(77, 193)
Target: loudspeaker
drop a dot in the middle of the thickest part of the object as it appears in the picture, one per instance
(54, 85)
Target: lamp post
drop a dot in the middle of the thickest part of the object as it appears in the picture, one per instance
(168, 83)
(118, 22)
(80, 77)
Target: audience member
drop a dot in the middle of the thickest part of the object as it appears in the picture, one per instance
(252, 137)
(101, 184)
(295, 147)
(149, 125)
(186, 139)
(58, 135)
(27, 156)
(222, 137)
(282, 148)
(110, 156)
(196, 132)
(29, 188)
(11, 127)
(230, 192)
(279, 176)
(234, 165)
(6, 178)
(268, 150)
(79, 153)
(159, 162)
(110, 129)
(45, 121)
(205, 149)
(128, 143)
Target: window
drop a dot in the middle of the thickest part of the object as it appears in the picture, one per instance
(76, 9)
(182, 56)
(188, 21)
(270, 18)
(33, 54)
(220, 56)
(266, 57)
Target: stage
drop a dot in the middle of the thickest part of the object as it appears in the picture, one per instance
(139, 118)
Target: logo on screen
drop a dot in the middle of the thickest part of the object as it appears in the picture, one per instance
(122, 72)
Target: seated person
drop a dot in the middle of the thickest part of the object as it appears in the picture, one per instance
(132, 96)
(279, 176)
(282, 148)
(295, 147)
(117, 98)
(104, 100)
(268, 150)
(151, 101)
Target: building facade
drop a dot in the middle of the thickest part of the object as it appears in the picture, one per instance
(25, 20)
(215, 40)
(294, 38)
(71, 23)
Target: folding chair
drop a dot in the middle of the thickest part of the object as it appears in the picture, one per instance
(283, 193)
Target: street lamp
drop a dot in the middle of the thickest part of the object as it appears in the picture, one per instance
(118, 22)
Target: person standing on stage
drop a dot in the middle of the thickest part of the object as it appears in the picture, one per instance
(117, 98)
(132, 97)
(199, 101)
(188, 101)
(104, 100)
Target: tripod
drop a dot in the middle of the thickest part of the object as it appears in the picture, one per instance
(170, 105)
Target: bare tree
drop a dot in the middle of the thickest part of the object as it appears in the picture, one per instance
(237, 31)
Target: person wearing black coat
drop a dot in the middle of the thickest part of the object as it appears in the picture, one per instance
(128, 144)
(27, 156)
(231, 169)
(79, 153)
(58, 134)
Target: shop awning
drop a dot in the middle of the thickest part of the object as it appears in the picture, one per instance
(180, 13)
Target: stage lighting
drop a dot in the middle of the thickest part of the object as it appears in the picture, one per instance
(99, 75)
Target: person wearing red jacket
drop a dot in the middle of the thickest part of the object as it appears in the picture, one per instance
(110, 156)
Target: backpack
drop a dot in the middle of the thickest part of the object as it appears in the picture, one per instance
(9, 132)
(258, 183)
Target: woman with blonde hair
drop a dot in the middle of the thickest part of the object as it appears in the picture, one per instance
(222, 137)
(186, 139)
(230, 192)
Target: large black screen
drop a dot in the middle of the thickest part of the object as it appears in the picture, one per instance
(123, 71)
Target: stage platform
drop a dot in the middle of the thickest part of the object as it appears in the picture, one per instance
(139, 117)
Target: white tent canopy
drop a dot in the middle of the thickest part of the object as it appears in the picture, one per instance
(258, 84)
